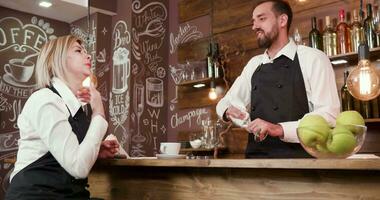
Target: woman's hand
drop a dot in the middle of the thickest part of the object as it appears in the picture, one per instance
(92, 96)
(108, 149)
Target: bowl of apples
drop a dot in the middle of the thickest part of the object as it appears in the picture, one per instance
(322, 141)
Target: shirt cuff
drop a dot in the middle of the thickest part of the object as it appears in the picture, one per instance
(221, 109)
(290, 131)
(98, 128)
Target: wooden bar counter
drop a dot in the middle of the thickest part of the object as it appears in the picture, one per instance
(354, 178)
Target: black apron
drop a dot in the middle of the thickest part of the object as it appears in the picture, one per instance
(278, 95)
(45, 178)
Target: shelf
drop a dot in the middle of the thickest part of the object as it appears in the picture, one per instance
(374, 120)
(352, 57)
(205, 81)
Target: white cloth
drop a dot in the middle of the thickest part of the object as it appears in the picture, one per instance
(318, 76)
(44, 127)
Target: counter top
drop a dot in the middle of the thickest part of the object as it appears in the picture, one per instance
(355, 163)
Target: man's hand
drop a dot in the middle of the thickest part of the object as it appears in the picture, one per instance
(108, 149)
(274, 130)
(233, 112)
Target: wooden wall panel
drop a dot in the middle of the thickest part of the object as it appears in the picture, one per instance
(232, 17)
(236, 62)
(193, 51)
(298, 7)
(190, 9)
(237, 40)
(225, 4)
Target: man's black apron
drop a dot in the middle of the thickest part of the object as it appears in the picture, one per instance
(278, 95)
(45, 178)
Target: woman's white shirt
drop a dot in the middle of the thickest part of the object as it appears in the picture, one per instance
(44, 127)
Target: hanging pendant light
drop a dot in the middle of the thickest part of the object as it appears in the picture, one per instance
(212, 93)
(363, 82)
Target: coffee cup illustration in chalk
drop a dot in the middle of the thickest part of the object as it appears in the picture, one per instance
(120, 70)
(19, 70)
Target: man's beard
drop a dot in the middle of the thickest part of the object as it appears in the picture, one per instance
(267, 39)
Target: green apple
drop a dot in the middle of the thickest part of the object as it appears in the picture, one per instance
(312, 120)
(322, 148)
(311, 136)
(341, 143)
(313, 129)
(344, 129)
(350, 118)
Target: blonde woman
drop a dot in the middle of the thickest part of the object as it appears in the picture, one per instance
(58, 143)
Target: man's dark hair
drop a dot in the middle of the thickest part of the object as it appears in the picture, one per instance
(280, 7)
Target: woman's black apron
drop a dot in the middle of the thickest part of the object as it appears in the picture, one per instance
(278, 95)
(45, 178)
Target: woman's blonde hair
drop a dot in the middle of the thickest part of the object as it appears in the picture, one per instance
(51, 61)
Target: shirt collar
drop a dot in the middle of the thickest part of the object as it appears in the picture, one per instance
(72, 103)
(289, 50)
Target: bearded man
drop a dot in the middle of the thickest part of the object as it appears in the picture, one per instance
(277, 88)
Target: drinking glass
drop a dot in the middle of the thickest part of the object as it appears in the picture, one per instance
(376, 22)
(257, 137)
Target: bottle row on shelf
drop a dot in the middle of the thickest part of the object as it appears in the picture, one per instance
(345, 35)
(201, 70)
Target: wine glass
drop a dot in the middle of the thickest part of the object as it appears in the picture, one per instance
(139, 109)
(376, 22)
(297, 37)
(176, 74)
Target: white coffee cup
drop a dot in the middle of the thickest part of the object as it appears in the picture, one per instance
(170, 148)
(19, 70)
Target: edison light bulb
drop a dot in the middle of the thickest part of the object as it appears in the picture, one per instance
(363, 82)
(212, 94)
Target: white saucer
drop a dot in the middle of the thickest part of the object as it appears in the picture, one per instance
(10, 80)
(171, 156)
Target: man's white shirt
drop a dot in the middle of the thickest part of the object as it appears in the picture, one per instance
(319, 79)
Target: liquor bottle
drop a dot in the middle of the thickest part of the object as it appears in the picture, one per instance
(378, 106)
(369, 30)
(329, 39)
(347, 98)
(315, 37)
(357, 32)
(343, 35)
(215, 55)
(376, 21)
(366, 109)
(210, 62)
(358, 105)
(375, 107)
